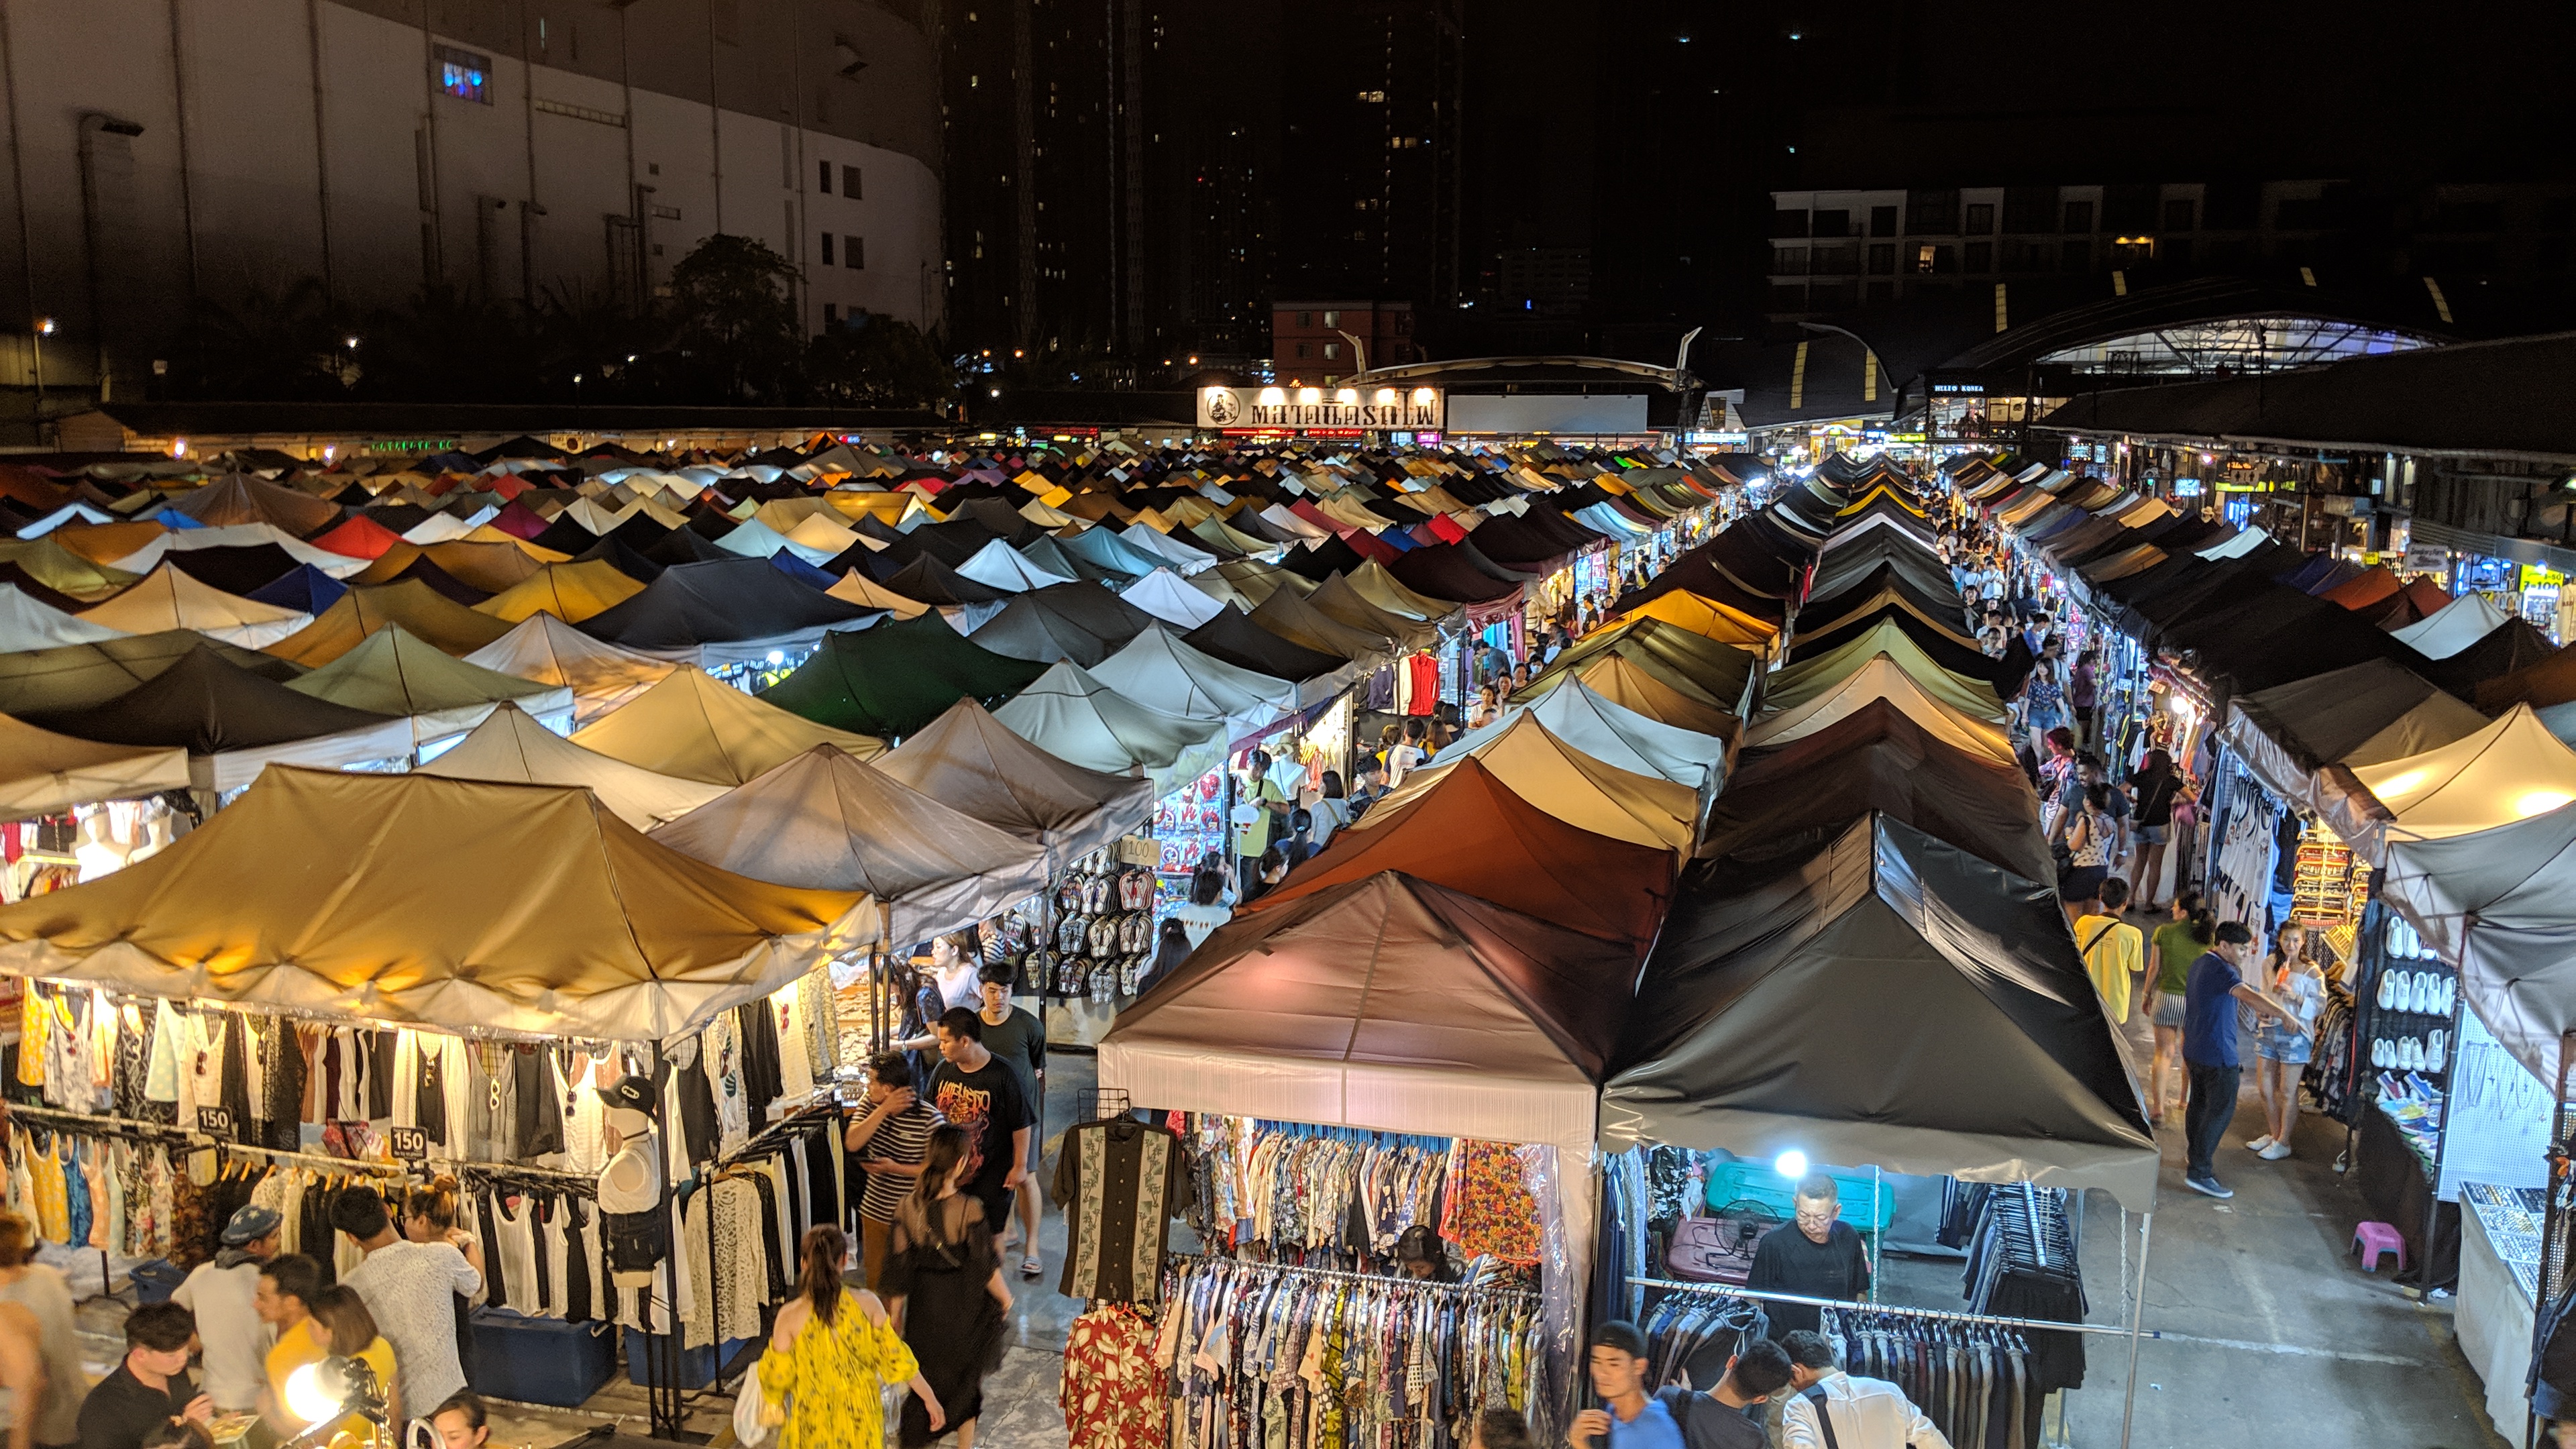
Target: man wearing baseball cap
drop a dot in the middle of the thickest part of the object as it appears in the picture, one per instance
(219, 1292)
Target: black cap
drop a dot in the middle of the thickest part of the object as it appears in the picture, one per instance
(633, 1092)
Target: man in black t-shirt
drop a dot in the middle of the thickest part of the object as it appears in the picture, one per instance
(151, 1386)
(975, 1091)
(1816, 1256)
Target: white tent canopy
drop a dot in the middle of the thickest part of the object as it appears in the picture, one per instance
(2501, 905)
(169, 598)
(2453, 627)
(1156, 667)
(1072, 715)
(240, 535)
(689, 725)
(2509, 771)
(27, 624)
(512, 748)
(1000, 566)
(1611, 733)
(1163, 595)
(1880, 678)
(548, 650)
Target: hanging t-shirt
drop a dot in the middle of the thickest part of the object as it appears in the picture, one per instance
(985, 1104)
(1421, 684)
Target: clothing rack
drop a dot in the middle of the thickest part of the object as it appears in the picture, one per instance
(88, 1124)
(1946, 1315)
(509, 1171)
(1383, 1280)
(321, 1160)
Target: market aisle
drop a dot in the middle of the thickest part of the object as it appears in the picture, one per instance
(2270, 1327)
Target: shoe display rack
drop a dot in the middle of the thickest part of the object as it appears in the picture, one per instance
(2331, 886)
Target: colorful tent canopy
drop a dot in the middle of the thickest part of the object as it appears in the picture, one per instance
(2365, 714)
(1798, 683)
(897, 677)
(238, 498)
(571, 592)
(1643, 689)
(1472, 833)
(1709, 618)
(2453, 627)
(826, 821)
(46, 561)
(307, 896)
(1073, 716)
(394, 673)
(1372, 582)
(233, 721)
(1157, 667)
(76, 676)
(690, 726)
(972, 762)
(856, 588)
(1612, 734)
(1966, 1038)
(549, 651)
(168, 598)
(26, 623)
(1880, 678)
(1714, 670)
(364, 610)
(1234, 638)
(999, 566)
(2511, 770)
(1572, 786)
(43, 773)
(1338, 601)
(508, 746)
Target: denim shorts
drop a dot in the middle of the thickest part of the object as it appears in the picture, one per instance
(2290, 1048)
(2151, 834)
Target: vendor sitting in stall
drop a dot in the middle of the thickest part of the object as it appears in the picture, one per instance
(1817, 1255)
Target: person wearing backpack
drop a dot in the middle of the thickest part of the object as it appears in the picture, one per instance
(1826, 1408)
(2115, 952)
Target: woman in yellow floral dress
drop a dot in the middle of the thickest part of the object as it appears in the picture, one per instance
(830, 1355)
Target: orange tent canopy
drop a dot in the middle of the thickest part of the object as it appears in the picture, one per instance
(1472, 834)
(2373, 585)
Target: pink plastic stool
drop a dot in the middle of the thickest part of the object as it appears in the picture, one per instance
(2372, 1239)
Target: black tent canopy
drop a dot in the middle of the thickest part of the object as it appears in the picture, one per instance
(731, 601)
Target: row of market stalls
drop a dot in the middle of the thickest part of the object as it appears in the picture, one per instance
(1718, 898)
(715, 747)
(2387, 765)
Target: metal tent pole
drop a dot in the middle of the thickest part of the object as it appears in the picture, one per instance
(2137, 1314)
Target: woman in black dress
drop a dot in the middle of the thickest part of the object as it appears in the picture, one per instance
(943, 1285)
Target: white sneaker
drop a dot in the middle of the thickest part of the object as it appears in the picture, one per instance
(2275, 1152)
(2387, 982)
(2436, 1050)
(2260, 1144)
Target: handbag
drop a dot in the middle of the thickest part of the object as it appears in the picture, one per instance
(1711, 1250)
(751, 1417)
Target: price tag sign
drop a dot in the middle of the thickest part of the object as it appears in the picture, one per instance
(409, 1144)
(215, 1121)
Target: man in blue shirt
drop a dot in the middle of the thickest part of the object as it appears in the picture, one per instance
(1628, 1419)
(2210, 994)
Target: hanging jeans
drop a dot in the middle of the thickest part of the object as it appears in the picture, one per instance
(2213, 1106)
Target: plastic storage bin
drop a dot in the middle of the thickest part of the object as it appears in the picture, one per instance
(698, 1366)
(1759, 1183)
(539, 1360)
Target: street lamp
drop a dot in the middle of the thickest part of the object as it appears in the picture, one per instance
(36, 344)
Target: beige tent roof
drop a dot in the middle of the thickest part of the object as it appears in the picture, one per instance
(1570, 785)
(1807, 678)
(571, 592)
(550, 651)
(364, 609)
(27, 623)
(2511, 770)
(168, 598)
(42, 773)
(690, 726)
(546, 915)
(827, 821)
(857, 588)
(970, 761)
(394, 673)
(1631, 685)
(511, 747)
(1880, 678)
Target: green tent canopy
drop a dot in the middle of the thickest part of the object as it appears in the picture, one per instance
(893, 679)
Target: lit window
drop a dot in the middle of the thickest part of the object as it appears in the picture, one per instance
(465, 75)
(1332, 350)
(1332, 319)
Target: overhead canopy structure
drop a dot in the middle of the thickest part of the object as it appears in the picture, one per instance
(27, 623)
(1644, 689)
(1880, 678)
(893, 679)
(545, 649)
(1391, 1004)
(1881, 998)
(426, 613)
(824, 820)
(512, 748)
(2453, 627)
(972, 762)
(1715, 671)
(999, 566)
(2369, 713)
(1073, 716)
(1804, 680)
(2511, 770)
(858, 589)
(1336, 599)
(169, 598)
(1234, 638)
(394, 673)
(1572, 786)
(232, 722)
(76, 676)
(2497, 903)
(43, 773)
(690, 726)
(1163, 595)
(546, 917)
(1709, 618)
(1878, 758)
(720, 612)
(1471, 833)
(1156, 666)
(571, 592)
(1612, 734)
(1081, 622)
(1372, 582)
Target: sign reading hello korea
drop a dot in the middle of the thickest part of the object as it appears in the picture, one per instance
(1292, 409)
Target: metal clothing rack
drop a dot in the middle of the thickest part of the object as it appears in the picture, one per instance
(1946, 1315)
(1383, 1280)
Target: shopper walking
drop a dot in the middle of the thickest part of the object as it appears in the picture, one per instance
(2170, 951)
(1732, 1414)
(2089, 842)
(981, 1098)
(2282, 1047)
(2153, 791)
(411, 1289)
(831, 1354)
(222, 1294)
(944, 1289)
(2210, 994)
(885, 1143)
(40, 1356)
(2114, 951)
(1016, 1040)
(1628, 1417)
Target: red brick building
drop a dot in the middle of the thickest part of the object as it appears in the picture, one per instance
(1307, 345)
